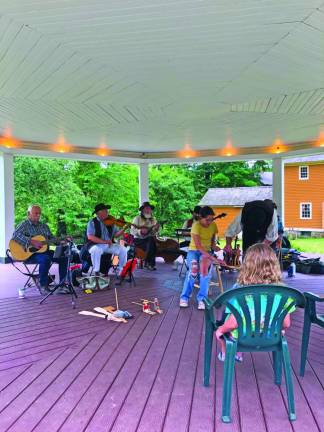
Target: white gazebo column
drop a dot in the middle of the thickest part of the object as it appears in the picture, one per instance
(278, 193)
(7, 212)
(143, 182)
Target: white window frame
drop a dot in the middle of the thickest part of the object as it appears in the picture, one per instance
(300, 171)
(301, 210)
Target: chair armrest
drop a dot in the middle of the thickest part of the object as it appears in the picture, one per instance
(314, 297)
(208, 303)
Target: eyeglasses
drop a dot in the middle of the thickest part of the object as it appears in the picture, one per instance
(209, 219)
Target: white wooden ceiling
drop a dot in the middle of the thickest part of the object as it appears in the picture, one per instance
(153, 75)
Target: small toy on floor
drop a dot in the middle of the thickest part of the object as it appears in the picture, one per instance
(156, 305)
(145, 307)
(117, 315)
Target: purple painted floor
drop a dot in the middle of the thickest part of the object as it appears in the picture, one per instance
(60, 371)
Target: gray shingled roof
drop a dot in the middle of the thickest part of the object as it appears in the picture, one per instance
(237, 196)
(266, 178)
(312, 158)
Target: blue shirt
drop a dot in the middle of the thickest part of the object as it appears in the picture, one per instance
(104, 230)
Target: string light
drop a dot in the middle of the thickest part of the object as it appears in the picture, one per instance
(8, 141)
(320, 139)
(61, 146)
(229, 150)
(187, 152)
(277, 146)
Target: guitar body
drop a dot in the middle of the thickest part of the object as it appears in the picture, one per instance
(20, 254)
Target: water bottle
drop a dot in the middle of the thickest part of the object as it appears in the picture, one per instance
(291, 272)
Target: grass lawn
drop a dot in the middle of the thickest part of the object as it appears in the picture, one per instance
(313, 245)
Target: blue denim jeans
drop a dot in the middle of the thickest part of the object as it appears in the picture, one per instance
(45, 260)
(190, 280)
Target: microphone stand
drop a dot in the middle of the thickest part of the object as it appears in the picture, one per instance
(65, 282)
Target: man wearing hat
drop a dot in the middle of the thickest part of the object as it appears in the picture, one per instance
(144, 229)
(100, 238)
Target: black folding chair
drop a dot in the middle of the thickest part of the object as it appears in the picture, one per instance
(28, 270)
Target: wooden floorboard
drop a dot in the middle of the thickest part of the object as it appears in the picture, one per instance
(60, 371)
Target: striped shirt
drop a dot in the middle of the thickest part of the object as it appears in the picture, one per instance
(26, 230)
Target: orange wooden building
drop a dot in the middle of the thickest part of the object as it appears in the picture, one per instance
(231, 201)
(303, 196)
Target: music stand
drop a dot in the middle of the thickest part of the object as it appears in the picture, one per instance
(68, 283)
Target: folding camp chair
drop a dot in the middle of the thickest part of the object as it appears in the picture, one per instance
(28, 270)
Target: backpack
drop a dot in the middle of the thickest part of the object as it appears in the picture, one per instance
(256, 218)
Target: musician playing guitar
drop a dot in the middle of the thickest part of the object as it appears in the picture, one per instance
(144, 228)
(23, 235)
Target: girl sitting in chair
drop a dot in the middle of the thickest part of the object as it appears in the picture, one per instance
(260, 266)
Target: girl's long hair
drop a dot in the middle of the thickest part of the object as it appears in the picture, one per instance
(260, 266)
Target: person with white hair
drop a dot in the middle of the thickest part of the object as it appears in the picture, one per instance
(24, 235)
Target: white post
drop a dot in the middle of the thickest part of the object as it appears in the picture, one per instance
(143, 182)
(278, 193)
(7, 211)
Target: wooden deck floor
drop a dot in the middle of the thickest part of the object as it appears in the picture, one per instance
(60, 371)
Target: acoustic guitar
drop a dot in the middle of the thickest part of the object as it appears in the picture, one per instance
(19, 253)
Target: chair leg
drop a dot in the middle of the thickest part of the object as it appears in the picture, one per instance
(228, 380)
(277, 366)
(209, 333)
(289, 382)
(305, 340)
(219, 276)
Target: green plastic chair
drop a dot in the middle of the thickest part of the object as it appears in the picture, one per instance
(273, 302)
(310, 316)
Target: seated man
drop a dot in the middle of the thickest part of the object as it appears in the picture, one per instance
(144, 229)
(100, 239)
(24, 234)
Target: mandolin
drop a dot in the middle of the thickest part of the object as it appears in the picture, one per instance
(19, 253)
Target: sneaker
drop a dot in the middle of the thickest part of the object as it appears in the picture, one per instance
(43, 289)
(183, 303)
(238, 357)
(21, 293)
(221, 356)
(151, 268)
(201, 305)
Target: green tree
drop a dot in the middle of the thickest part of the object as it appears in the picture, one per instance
(110, 183)
(173, 193)
(49, 183)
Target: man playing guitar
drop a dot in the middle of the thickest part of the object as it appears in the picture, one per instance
(23, 235)
(144, 228)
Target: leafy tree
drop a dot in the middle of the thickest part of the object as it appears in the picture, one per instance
(173, 193)
(49, 183)
(225, 174)
(76, 187)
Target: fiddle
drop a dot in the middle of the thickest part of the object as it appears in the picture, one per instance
(111, 220)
